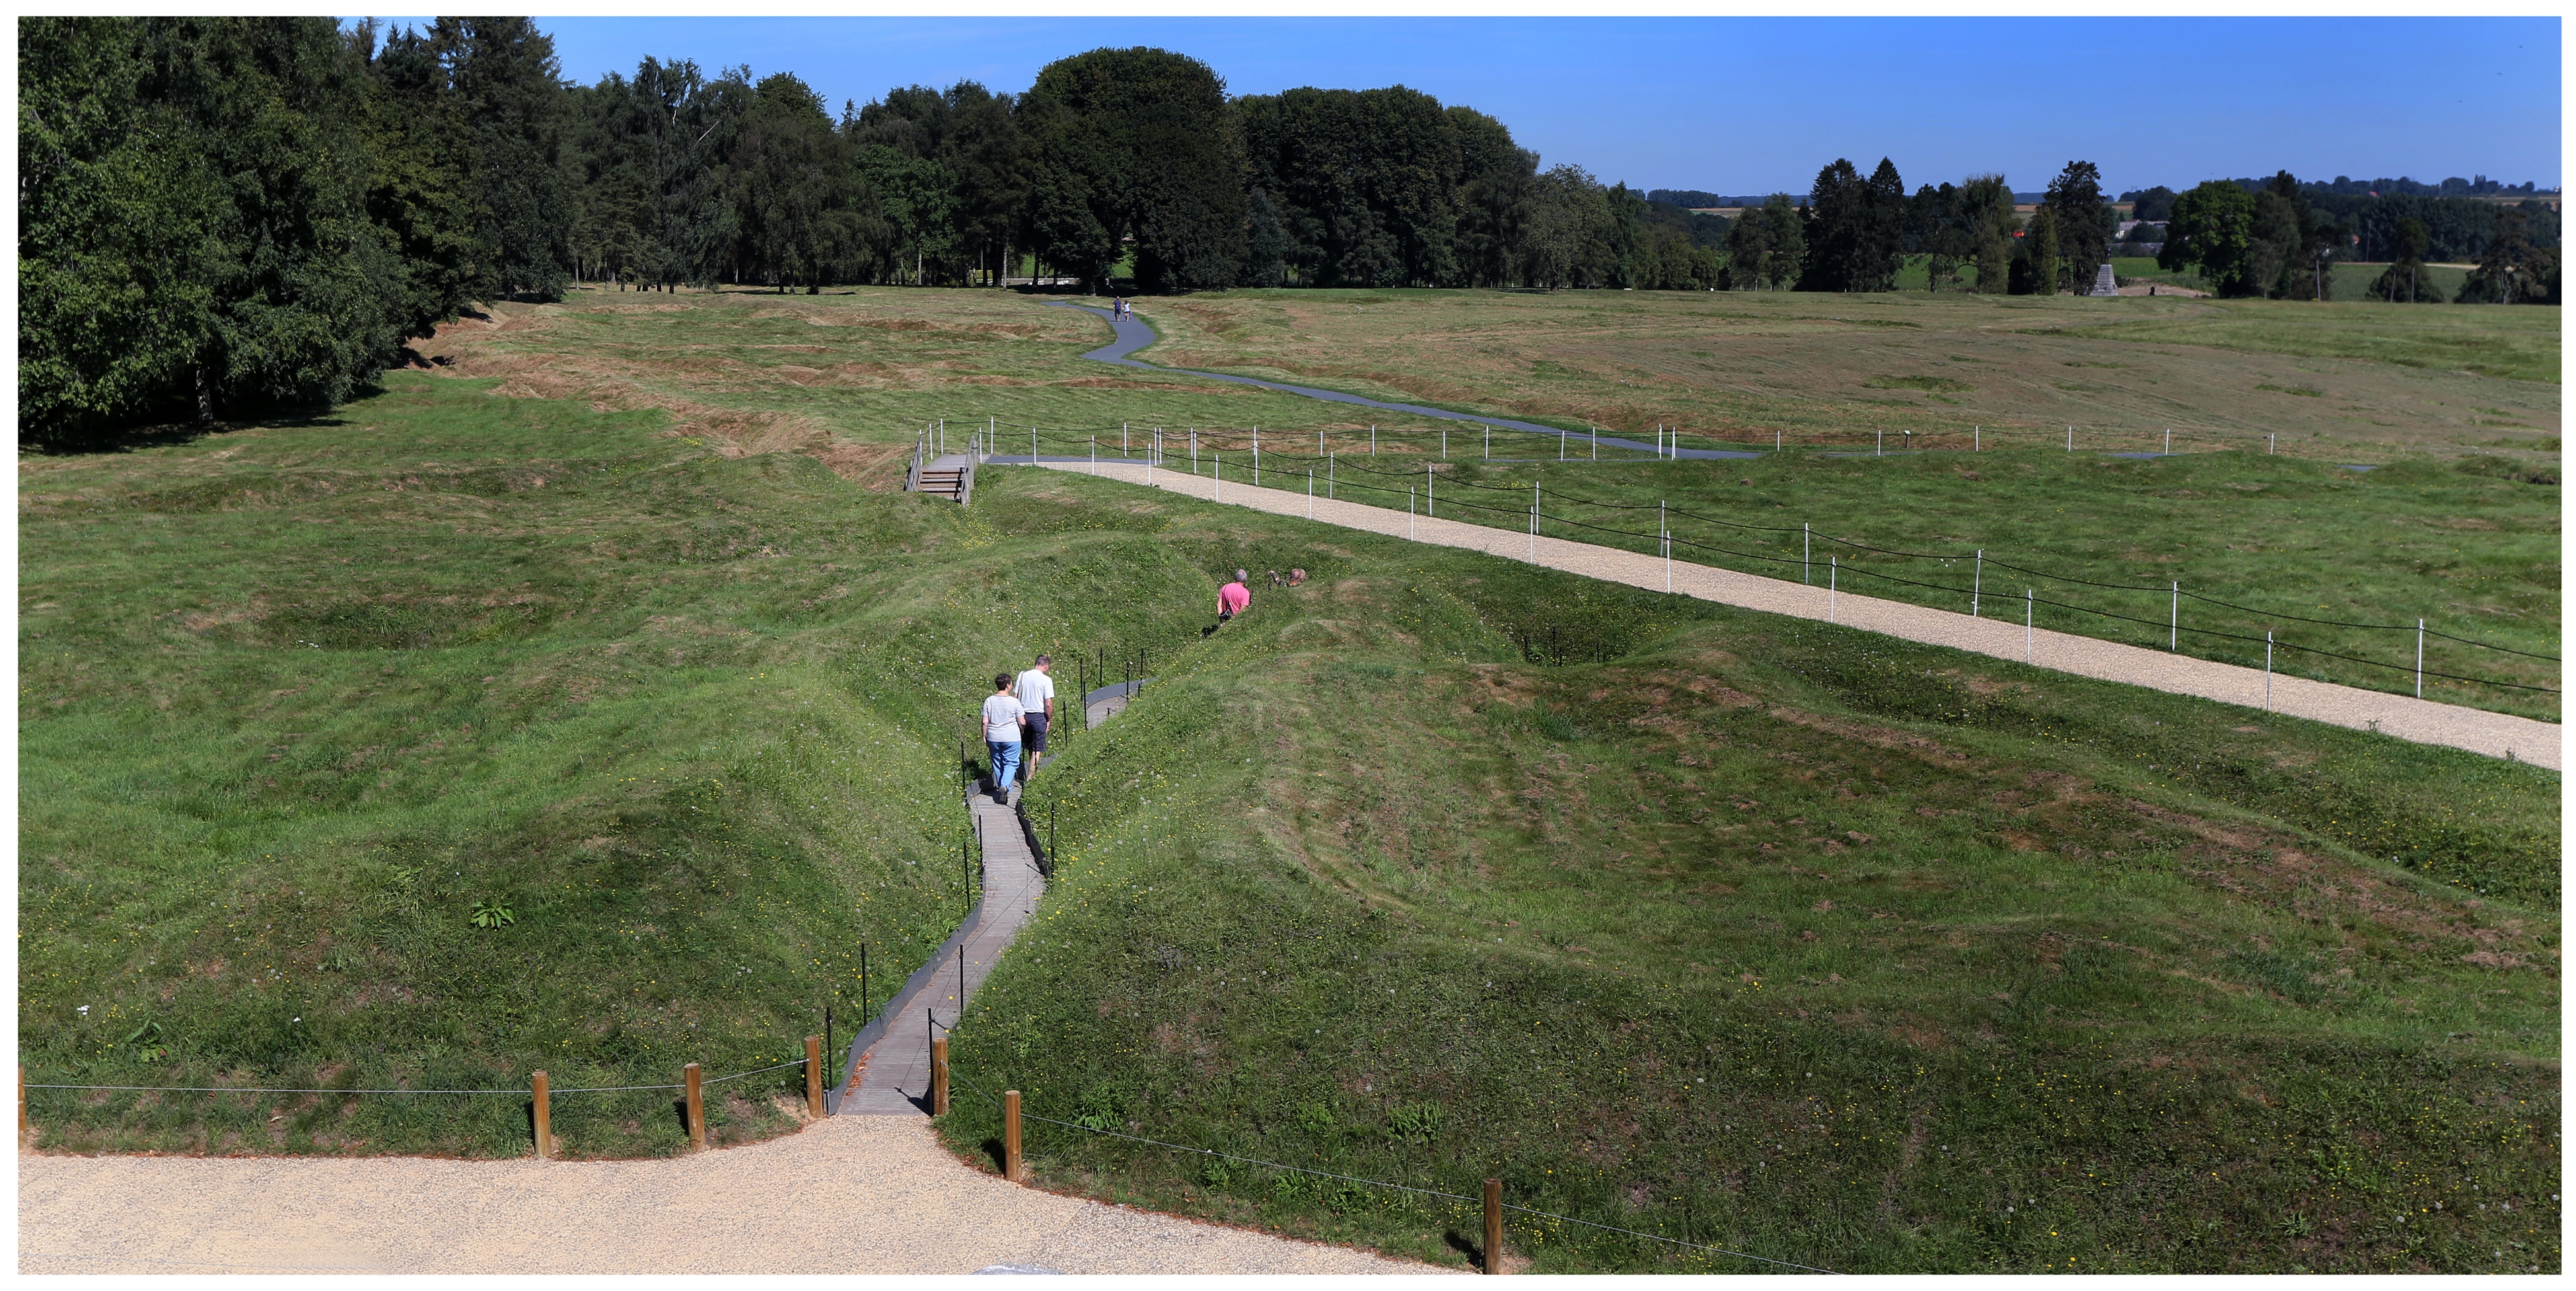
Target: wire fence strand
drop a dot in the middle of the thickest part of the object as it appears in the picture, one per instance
(520, 1092)
(2045, 575)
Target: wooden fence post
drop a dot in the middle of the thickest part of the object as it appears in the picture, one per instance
(939, 1076)
(22, 1099)
(814, 1077)
(697, 1107)
(545, 1119)
(1493, 1225)
(1011, 1135)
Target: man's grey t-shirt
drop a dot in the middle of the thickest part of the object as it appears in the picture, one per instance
(1034, 689)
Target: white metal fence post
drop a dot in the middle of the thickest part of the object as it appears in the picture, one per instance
(2267, 672)
(1977, 585)
(2419, 658)
(1807, 554)
(2173, 630)
(1833, 584)
(2029, 608)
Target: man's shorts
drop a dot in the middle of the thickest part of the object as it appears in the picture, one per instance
(1033, 733)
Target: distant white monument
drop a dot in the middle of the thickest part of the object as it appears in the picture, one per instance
(2104, 284)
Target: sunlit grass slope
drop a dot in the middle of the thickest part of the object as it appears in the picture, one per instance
(297, 702)
(1767, 935)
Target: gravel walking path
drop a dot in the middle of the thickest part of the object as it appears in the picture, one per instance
(2404, 717)
(848, 1194)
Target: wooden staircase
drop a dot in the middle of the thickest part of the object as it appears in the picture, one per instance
(950, 475)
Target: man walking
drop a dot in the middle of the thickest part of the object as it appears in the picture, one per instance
(1234, 598)
(1002, 736)
(1035, 690)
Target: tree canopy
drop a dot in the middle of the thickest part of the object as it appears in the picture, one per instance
(220, 212)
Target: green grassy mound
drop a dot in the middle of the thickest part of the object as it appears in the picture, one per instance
(296, 704)
(1768, 936)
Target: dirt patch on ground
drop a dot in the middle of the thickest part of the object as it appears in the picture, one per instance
(609, 385)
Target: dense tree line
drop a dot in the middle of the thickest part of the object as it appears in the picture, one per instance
(227, 211)
(221, 211)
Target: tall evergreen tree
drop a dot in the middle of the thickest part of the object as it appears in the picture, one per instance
(510, 92)
(2084, 221)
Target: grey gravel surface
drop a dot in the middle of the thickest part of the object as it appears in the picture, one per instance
(2401, 716)
(849, 1194)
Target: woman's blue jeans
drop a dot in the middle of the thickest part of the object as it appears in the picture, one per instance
(1005, 762)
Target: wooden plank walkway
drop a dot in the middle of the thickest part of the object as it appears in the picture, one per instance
(2403, 717)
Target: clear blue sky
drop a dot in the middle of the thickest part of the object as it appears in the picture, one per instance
(1743, 105)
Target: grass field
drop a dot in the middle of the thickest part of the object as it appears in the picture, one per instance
(1756, 932)
(1824, 369)
(2351, 280)
(297, 702)
(1785, 938)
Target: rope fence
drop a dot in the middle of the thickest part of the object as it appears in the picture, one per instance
(1013, 1114)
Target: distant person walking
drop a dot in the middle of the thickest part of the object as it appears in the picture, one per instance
(1234, 598)
(1002, 716)
(1035, 689)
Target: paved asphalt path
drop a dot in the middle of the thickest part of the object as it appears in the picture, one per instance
(1134, 335)
(2404, 717)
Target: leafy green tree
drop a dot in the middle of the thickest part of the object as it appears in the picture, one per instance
(1497, 182)
(2403, 282)
(2276, 254)
(1856, 227)
(193, 222)
(2512, 270)
(2083, 220)
(918, 198)
(2153, 204)
(1366, 182)
(1572, 232)
(1138, 142)
(2213, 227)
(1986, 212)
(1767, 246)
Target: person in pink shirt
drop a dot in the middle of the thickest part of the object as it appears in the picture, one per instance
(1233, 598)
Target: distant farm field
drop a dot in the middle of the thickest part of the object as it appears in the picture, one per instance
(1815, 369)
